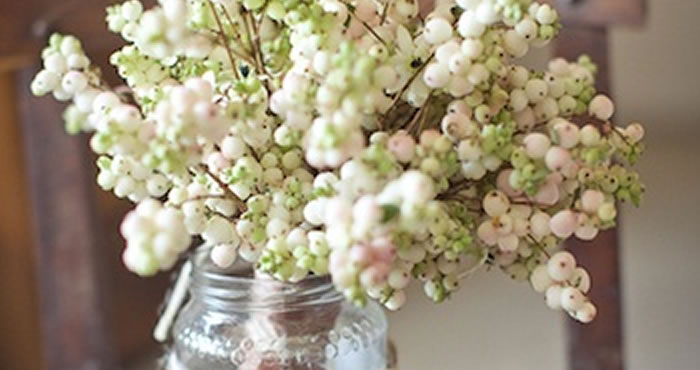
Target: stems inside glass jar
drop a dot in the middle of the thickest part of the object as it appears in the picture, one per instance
(278, 311)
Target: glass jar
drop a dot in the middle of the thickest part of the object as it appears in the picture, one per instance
(236, 321)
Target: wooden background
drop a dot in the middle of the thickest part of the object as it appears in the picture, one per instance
(19, 308)
(89, 305)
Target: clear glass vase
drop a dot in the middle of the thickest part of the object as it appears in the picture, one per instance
(236, 321)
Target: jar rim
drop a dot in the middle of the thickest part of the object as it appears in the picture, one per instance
(238, 288)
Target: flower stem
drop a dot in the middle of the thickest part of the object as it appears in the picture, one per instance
(253, 36)
(538, 245)
(364, 24)
(420, 117)
(385, 12)
(239, 203)
(222, 36)
(454, 189)
(408, 83)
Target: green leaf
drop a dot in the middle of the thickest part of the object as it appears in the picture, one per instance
(390, 211)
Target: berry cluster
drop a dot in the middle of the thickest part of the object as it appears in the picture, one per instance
(564, 286)
(155, 237)
(353, 138)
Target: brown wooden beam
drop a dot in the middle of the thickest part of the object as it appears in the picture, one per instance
(598, 345)
(24, 22)
(593, 41)
(19, 310)
(601, 12)
(68, 238)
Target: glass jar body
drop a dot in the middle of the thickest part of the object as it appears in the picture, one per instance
(256, 324)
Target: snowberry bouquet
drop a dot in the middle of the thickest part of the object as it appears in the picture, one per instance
(352, 138)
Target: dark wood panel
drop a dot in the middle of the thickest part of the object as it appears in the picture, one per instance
(15, 26)
(87, 294)
(25, 23)
(19, 310)
(593, 41)
(127, 304)
(598, 345)
(73, 302)
(601, 12)
(134, 300)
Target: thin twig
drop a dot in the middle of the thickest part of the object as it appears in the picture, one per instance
(254, 155)
(364, 24)
(538, 245)
(230, 218)
(311, 170)
(474, 206)
(385, 12)
(256, 30)
(256, 42)
(409, 120)
(240, 43)
(239, 203)
(380, 125)
(455, 189)
(263, 9)
(422, 112)
(612, 128)
(206, 197)
(249, 36)
(405, 87)
(408, 83)
(244, 57)
(423, 119)
(125, 92)
(523, 203)
(222, 36)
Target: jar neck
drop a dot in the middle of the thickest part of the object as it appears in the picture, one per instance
(240, 289)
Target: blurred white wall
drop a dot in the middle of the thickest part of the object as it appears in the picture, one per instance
(656, 79)
(496, 324)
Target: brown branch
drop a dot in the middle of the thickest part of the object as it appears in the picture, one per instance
(454, 190)
(240, 43)
(408, 83)
(474, 206)
(609, 127)
(364, 24)
(420, 116)
(410, 119)
(405, 87)
(605, 127)
(385, 12)
(126, 93)
(249, 36)
(205, 197)
(538, 245)
(254, 41)
(263, 9)
(222, 36)
(423, 119)
(239, 203)
(311, 170)
(235, 52)
(229, 218)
